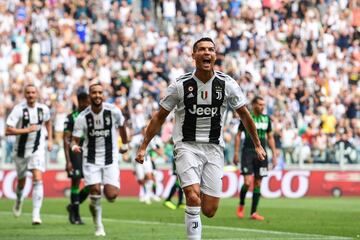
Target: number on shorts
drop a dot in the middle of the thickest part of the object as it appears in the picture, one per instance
(263, 171)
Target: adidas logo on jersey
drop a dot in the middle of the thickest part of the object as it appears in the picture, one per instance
(204, 111)
(191, 95)
(100, 133)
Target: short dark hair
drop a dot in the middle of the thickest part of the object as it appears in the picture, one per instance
(93, 85)
(204, 39)
(256, 99)
(82, 96)
(29, 85)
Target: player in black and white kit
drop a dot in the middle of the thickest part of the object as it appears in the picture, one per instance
(200, 99)
(100, 124)
(27, 121)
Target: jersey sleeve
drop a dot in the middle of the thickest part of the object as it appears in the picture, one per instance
(79, 127)
(118, 117)
(269, 129)
(171, 98)
(236, 97)
(46, 113)
(14, 117)
(69, 124)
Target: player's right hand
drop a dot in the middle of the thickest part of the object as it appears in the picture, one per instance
(76, 149)
(140, 156)
(69, 168)
(260, 153)
(33, 128)
(236, 159)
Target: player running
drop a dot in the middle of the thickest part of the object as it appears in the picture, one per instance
(98, 124)
(74, 163)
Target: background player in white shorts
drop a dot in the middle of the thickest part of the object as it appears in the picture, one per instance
(145, 172)
(99, 123)
(27, 121)
(200, 99)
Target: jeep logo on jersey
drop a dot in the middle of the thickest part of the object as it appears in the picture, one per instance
(100, 133)
(203, 111)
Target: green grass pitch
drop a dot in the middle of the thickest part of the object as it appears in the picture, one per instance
(307, 218)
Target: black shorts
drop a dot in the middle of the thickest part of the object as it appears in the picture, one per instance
(250, 164)
(76, 161)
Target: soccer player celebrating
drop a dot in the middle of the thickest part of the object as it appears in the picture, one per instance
(200, 99)
(98, 124)
(74, 163)
(27, 121)
(250, 163)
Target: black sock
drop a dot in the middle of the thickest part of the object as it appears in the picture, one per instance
(84, 193)
(243, 192)
(172, 191)
(255, 200)
(74, 198)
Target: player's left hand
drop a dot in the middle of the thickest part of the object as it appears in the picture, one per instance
(50, 146)
(260, 153)
(274, 162)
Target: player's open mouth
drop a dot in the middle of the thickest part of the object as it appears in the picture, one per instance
(206, 61)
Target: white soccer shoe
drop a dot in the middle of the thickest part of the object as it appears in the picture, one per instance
(155, 198)
(100, 231)
(36, 220)
(17, 208)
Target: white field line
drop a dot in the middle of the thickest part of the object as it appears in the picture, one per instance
(292, 235)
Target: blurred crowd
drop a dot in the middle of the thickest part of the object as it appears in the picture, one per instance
(303, 57)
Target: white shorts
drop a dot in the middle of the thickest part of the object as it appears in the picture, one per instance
(142, 169)
(199, 163)
(94, 174)
(36, 161)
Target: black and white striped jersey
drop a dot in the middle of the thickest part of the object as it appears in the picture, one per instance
(100, 134)
(22, 116)
(200, 107)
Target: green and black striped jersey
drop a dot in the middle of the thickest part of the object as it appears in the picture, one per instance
(263, 126)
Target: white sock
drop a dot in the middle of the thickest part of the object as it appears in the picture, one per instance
(193, 222)
(148, 188)
(37, 197)
(96, 202)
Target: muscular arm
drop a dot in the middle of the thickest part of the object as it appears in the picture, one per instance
(271, 142)
(251, 129)
(237, 145)
(123, 134)
(19, 131)
(66, 141)
(154, 127)
(48, 126)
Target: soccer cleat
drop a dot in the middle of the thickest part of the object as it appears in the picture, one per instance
(17, 208)
(155, 198)
(240, 212)
(71, 214)
(170, 205)
(36, 221)
(79, 221)
(182, 206)
(256, 216)
(99, 231)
